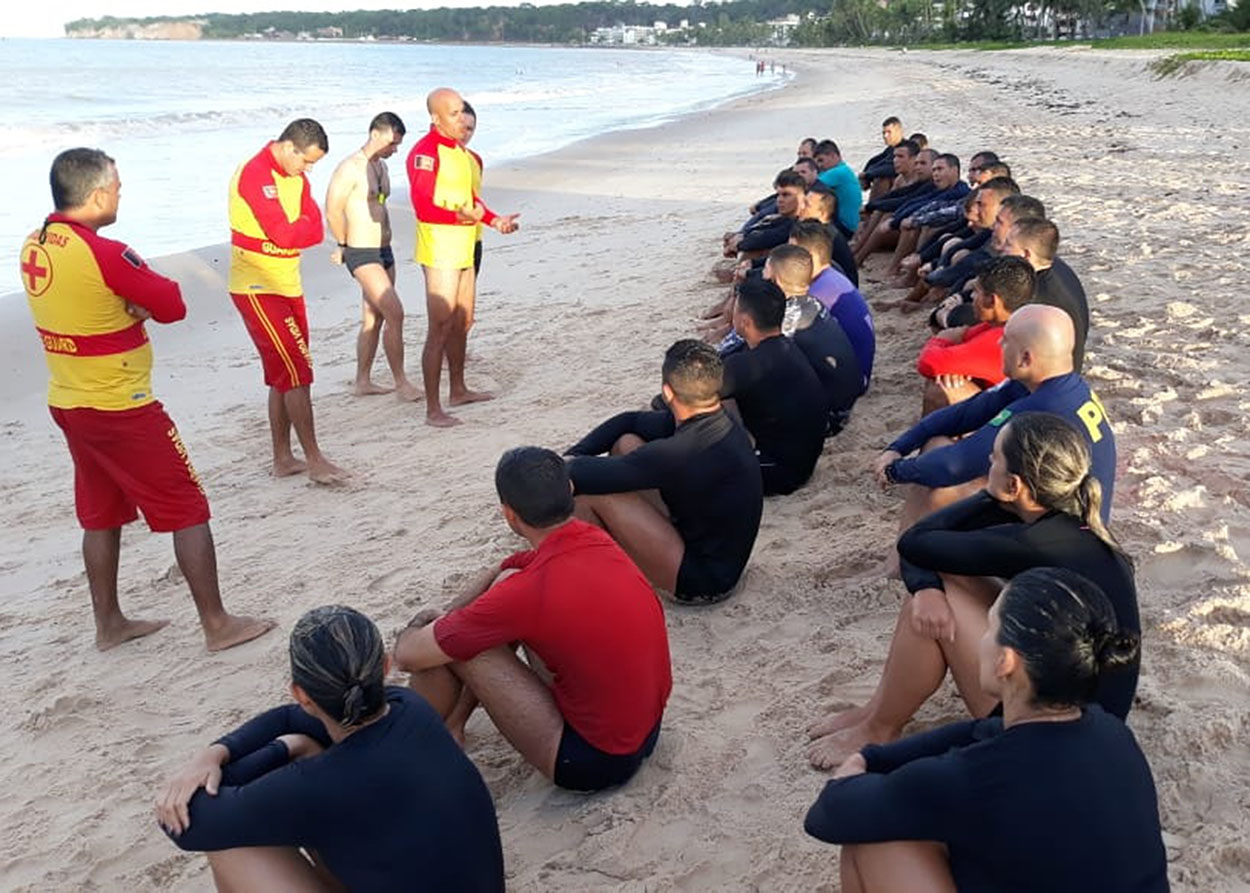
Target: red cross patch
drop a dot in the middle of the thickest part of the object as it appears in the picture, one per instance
(36, 271)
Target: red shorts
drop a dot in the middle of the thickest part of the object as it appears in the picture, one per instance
(279, 329)
(131, 459)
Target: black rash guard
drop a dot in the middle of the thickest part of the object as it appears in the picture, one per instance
(708, 476)
(1040, 807)
(782, 404)
(978, 537)
(395, 806)
(1058, 286)
(830, 353)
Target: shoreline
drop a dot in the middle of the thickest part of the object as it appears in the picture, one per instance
(575, 310)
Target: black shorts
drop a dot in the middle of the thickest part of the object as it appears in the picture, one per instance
(359, 257)
(699, 583)
(477, 257)
(580, 766)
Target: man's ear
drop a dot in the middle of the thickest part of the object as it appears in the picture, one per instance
(667, 393)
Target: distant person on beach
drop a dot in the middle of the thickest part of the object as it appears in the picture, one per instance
(680, 489)
(361, 225)
(273, 215)
(585, 706)
(357, 785)
(441, 172)
(1054, 795)
(89, 297)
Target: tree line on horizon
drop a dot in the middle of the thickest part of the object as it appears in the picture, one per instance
(729, 23)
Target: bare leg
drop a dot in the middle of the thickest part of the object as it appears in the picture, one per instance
(197, 559)
(439, 686)
(938, 396)
(970, 599)
(366, 349)
(917, 866)
(881, 238)
(101, 552)
(284, 462)
(385, 307)
(441, 287)
(641, 529)
(907, 240)
(272, 869)
(298, 403)
(458, 342)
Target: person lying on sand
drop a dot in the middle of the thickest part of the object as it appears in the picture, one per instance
(680, 489)
(1055, 795)
(585, 710)
(357, 785)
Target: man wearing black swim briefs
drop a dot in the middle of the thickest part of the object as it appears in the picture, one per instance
(357, 215)
(694, 540)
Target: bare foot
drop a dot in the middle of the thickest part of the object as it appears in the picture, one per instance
(468, 396)
(126, 630)
(910, 306)
(323, 471)
(408, 393)
(368, 388)
(284, 468)
(838, 720)
(830, 751)
(885, 305)
(441, 419)
(236, 630)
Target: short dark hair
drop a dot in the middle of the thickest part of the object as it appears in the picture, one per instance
(891, 121)
(763, 301)
(825, 147)
(1041, 235)
(304, 133)
(997, 169)
(791, 263)
(950, 159)
(1001, 186)
(985, 157)
(1011, 278)
(920, 139)
(693, 369)
(814, 237)
(468, 109)
(1064, 628)
(912, 147)
(809, 139)
(821, 197)
(804, 160)
(534, 483)
(388, 121)
(790, 177)
(1022, 206)
(76, 173)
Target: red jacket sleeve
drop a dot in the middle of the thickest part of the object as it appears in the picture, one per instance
(304, 232)
(126, 273)
(422, 175)
(501, 614)
(979, 356)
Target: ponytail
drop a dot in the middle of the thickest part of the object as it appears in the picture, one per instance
(337, 657)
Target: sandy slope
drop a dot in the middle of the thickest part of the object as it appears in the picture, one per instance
(1149, 181)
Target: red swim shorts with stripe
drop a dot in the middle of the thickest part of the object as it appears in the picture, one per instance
(279, 329)
(131, 460)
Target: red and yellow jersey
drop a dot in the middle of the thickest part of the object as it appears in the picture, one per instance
(441, 175)
(476, 161)
(272, 217)
(78, 284)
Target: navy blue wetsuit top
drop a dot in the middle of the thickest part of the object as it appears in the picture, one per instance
(1041, 807)
(394, 806)
(978, 537)
(896, 198)
(931, 202)
(767, 234)
(980, 417)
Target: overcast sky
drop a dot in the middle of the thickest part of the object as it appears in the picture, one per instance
(48, 19)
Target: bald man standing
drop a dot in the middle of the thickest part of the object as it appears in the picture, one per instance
(448, 211)
(1037, 360)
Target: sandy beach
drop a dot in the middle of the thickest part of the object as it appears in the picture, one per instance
(1149, 182)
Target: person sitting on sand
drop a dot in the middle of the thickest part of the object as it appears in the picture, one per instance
(912, 176)
(807, 147)
(1037, 241)
(959, 363)
(817, 333)
(681, 490)
(586, 709)
(775, 390)
(772, 229)
(899, 230)
(821, 206)
(357, 785)
(838, 295)
(838, 176)
(978, 165)
(1054, 795)
(1037, 357)
(879, 171)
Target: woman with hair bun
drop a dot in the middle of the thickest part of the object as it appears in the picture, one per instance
(357, 784)
(1053, 796)
(1041, 507)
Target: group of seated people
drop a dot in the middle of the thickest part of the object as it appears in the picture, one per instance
(1016, 586)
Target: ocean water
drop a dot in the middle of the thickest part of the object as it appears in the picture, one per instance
(179, 116)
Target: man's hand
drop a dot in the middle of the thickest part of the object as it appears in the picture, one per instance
(506, 223)
(908, 223)
(852, 765)
(882, 463)
(931, 615)
(468, 213)
(336, 256)
(139, 313)
(204, 771)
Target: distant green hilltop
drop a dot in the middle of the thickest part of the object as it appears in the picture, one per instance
(731, 23)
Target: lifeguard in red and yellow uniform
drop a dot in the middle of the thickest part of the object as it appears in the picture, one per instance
(273, 217)
(440, 174)
(89, 297)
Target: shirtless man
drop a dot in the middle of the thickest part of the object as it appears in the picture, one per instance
(356, 212)
(448, 211)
